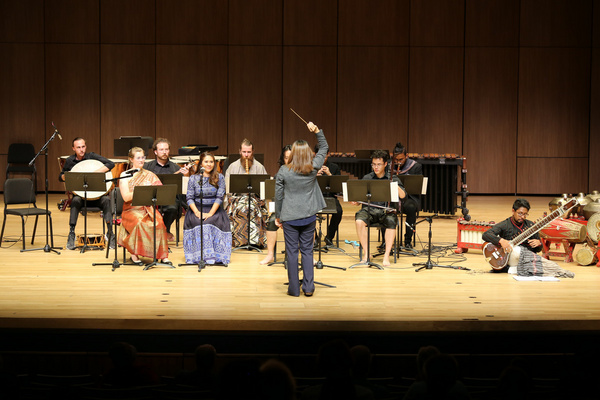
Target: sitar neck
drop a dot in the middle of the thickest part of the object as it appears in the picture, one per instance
(542, 222)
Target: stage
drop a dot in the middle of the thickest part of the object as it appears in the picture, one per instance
(65, 303)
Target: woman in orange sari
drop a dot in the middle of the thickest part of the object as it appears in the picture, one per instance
(137, 226)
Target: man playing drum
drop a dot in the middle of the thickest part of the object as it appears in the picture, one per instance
(104, 165)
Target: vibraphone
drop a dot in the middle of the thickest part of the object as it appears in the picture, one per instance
(441, 169)
(469, 234)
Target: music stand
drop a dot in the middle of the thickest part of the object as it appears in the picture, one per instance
(246, 183)
(267, 191)
(154, 196)
(331, 184)
(122, 145)
(368, 190)
(85, 182)
(330, 208)
(174, 179)
(413, 185)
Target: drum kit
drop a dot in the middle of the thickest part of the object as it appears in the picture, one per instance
(580, 226)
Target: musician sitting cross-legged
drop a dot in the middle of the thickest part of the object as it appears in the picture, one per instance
(104, 165)
(378, 213)
(137, 224)
(526, 263)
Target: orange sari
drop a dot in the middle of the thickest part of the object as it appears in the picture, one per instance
(137, 227)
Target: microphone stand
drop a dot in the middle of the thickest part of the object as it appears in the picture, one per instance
(201, 263)
(47, 248)
(429, 264)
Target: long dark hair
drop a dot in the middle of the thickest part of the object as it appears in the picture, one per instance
(281, 161)
(213, 179)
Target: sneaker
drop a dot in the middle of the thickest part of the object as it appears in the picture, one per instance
(71, 241)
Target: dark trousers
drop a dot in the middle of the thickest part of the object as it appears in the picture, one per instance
(410, 208)
(334, 220)
(299, 239)
(172, 212)
(102, 203)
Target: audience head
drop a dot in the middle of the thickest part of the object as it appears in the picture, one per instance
(276, 381)
(122, 354)
(361, 357)
(424, 354)
(205, 356)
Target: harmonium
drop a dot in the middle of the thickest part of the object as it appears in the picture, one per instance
(442, 171)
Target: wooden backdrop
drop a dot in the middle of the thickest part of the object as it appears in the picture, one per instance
(511, 84)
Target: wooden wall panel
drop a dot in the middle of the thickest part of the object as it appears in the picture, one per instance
(541, 175)
(22, 99)
(72, 21)
(437, 22)
(490, 122)
(596, 27)
(254, 109)
(191, 21)
(131, 21)
(556, 22)
(309, 87)
(492, 23)
(594, 150)
(554, 95)
(436, 98)
(255, 22)
(22, 21)
(372, 97)
(310, 22)
(128, 77)
(374, 23)
(72, 101)
(191, 95)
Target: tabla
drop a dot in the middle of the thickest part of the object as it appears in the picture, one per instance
(563, 229)
(237, 210)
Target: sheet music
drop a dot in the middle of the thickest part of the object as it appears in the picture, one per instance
(394, 192)
(424, 188)
(345, 191)
(262, 190)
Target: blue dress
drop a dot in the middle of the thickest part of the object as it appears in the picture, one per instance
(216, 230)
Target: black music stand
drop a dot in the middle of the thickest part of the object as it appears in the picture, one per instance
(174, 179)
(369, 190)
(429, 264)
(267, 191)
(246, 183)
(154, 196)
(331, 184)
(47, 248)
(85, 182)
(123, 144)
(330, 208)
(413, 185)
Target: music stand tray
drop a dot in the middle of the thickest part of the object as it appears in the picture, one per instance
(247, 183)
(85, 182)
(368, 190)
(172, 179)
(161, 195)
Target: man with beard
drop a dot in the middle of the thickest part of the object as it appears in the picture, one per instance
(246, 164)
(163, 165)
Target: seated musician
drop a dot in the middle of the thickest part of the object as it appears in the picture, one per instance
(402, 165)
(205, 195)
(284, 157)
(80, 149)
(330, 168)
(377, 213)
(529, 263)
(163, 165)
(237, 205)
(137, 226)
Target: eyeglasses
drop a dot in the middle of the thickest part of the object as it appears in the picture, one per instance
(140, 158)
(377, 165)
(520, 214)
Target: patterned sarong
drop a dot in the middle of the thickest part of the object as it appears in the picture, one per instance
(237, 210)
(531, 264)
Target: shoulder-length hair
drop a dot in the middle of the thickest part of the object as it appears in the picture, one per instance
(133, 151)
(301, 158)
(281, 161)
(213, 179)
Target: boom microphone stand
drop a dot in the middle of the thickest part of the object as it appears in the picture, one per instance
(47, 248)
(429, 264)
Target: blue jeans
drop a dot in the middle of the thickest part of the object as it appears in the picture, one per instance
(299, 239)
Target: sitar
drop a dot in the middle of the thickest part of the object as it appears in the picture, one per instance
(498, 258)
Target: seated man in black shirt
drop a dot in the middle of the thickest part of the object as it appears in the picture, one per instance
(330, 168)
(402, 165)
(389, 220)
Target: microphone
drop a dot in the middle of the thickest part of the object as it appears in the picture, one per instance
(56, 131)
(202, 169)
(132, 171)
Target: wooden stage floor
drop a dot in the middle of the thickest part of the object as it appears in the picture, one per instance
(47, 291)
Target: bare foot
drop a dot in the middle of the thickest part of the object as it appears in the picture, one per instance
(267, 259)
(170, 237)
(386, 261)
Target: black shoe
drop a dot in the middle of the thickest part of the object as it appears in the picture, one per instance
(381, 248)
(111, 240)
(328, 242)
(408, 245)
(71, 241)
(137, 262)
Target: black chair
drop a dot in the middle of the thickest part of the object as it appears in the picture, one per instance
(20, 191)
(19, 156)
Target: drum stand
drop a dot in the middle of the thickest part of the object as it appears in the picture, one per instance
(47, 248)
(429, 264)
(201, 263)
